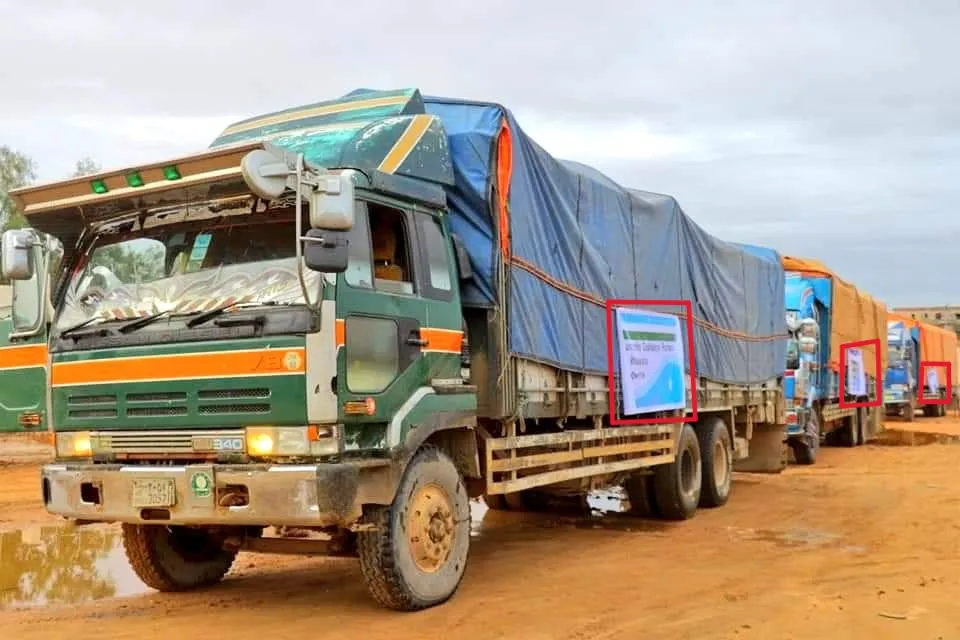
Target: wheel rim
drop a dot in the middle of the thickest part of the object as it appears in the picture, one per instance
(721, 465)
(430, 528)
(689, 469)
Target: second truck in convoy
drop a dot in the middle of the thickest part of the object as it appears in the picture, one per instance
(352, 317)
(823, 313)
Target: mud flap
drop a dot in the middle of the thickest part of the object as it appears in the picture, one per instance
(768, 450)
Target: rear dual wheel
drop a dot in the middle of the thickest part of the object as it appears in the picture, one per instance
(700, 475)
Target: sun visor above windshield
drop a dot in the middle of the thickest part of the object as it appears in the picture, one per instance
(388, 131)
(358, 106)
(62, 208)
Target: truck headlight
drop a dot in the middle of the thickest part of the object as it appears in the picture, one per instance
(277, 441)
(315, 440)
(73, 444)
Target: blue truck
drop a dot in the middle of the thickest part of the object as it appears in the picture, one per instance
(911, 342)
(823, 312)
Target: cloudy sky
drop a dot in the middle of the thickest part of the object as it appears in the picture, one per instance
(822, 128)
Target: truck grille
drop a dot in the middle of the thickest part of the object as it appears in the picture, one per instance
(183, 442)
(209, 402)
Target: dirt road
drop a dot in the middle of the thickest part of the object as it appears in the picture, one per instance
(866, 544)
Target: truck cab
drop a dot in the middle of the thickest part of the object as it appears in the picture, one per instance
(900, 378)
(245, 337)
(806, 313)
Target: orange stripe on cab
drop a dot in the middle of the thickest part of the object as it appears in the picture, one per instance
(444, 340)
(23, 356)
(438, 340)
(180, 366)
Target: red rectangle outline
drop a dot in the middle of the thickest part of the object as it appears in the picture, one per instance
(843, 370)
(935, 363)
(611, 377)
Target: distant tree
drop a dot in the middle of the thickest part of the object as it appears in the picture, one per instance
(16, 170)
(84, 167)
(132, 264)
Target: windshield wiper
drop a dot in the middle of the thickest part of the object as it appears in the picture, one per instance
(139, 323)
(213, 313)
(72, 331)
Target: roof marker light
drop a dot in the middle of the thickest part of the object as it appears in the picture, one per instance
(134, 179)
(171, 173)
(98, 186)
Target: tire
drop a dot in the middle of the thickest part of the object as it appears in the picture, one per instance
(847, 434)
(173, 559)
(807, 446)
(909, 411)
(431, 500)
(716, 451)
(863, 417)
(803, 452)
(677, 485)
(643, 502)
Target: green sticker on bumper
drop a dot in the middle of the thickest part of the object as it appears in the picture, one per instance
(201, 484)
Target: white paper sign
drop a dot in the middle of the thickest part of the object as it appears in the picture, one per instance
(856, 375)
(933, 383)
(652, 376)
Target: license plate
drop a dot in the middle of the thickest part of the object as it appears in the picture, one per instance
(155, 492)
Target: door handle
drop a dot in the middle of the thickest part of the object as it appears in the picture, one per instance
(415, 340)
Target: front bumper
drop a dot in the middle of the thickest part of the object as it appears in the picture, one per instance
(282, 495)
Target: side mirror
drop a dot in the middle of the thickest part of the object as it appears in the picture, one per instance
(463, 258)
(15, 262)
(331, 203)
(326, 251)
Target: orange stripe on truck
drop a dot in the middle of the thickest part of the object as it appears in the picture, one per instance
(438, 340)
(23, 356)
(218, 364)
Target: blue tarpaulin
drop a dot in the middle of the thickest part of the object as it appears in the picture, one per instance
(576, 239)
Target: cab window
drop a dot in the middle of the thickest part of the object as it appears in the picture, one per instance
(380, 256)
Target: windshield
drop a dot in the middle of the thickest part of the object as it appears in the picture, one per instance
(894, 356)
(187, 267)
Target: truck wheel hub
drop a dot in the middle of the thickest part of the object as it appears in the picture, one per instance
(430, 527)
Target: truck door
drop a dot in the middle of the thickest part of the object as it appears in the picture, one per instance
(398, 320)
(23, 358)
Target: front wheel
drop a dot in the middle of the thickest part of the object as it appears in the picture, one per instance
(417, 554)
(175, 558)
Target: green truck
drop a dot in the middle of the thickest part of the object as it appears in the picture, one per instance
(351, 318)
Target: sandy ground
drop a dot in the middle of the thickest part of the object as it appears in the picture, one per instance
(863, 545)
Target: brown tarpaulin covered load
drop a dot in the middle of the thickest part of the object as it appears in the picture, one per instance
(939, 345)
(855, 315)
(936, 345)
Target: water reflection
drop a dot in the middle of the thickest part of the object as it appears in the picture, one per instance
(63, 565)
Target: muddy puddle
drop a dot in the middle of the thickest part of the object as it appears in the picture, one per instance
(63, 565)
(57, 565)
(798, 538)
